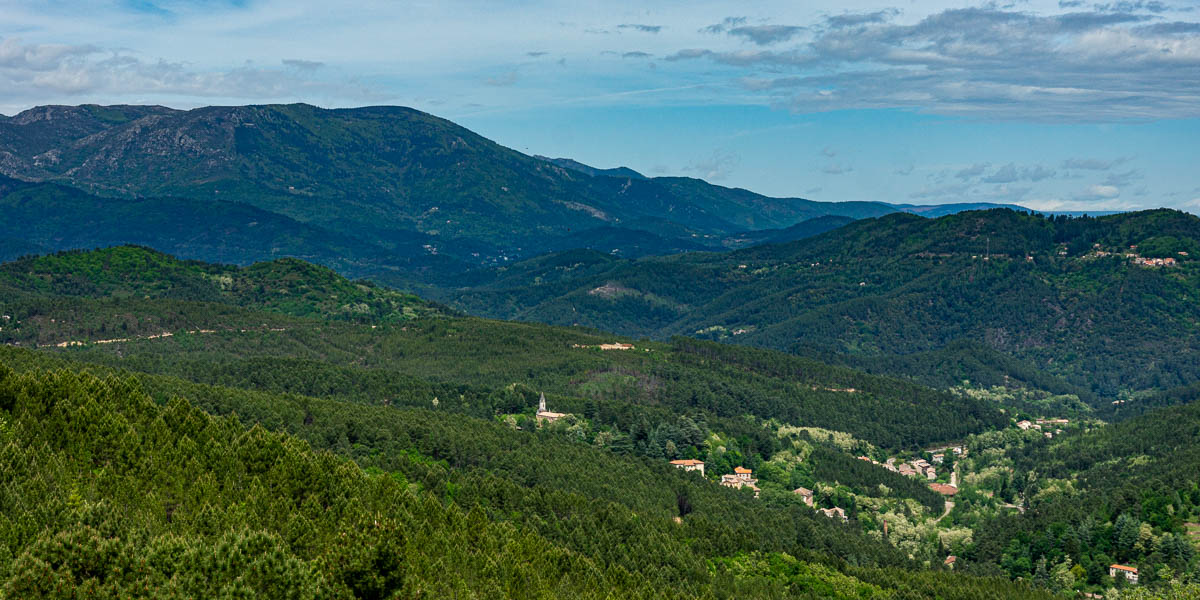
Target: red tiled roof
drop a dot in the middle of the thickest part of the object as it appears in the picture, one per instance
(688, 462)
(941, 488)
(742, 470)
(1124, 568)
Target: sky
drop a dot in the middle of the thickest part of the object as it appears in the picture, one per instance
(1054, 105)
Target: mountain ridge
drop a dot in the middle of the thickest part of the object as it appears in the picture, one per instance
(1029, 286)
(385, 176)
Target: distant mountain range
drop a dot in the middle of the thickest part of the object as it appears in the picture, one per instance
(417, 202)
(388, 192)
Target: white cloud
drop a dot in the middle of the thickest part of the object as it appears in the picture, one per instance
(1098, 192)
(1090, 66)
(38, 72)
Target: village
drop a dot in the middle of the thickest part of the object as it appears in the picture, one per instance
(1136, 258)
(940, 471)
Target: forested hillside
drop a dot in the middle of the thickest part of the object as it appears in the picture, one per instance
(50, 216)
(74, 300)
(38, 289)
(1105, 306)
(192, 504)
(1126, 493)
(420, 425)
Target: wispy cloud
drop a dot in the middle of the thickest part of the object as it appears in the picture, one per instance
(1011, 173)
(972, 192)
(505, 79)
(1093, 164)
(1123, 178)
(725, 25)
(972, 171)
(764, 35)
(641, 28)
(303, 65)
(859, 19)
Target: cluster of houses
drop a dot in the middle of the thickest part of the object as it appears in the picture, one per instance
(742, 477)
(612, 346)
(916, 468)
(1154, 262)
(926, 469)
(1132, 255)
(1026, 425)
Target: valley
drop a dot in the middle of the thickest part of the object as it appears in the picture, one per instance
(289, 351)
(272, 344)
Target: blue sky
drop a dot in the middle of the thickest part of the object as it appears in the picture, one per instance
(1063, 105)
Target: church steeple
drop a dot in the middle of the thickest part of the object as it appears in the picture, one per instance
(542, 403)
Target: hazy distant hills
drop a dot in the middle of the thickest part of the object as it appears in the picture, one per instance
(375, 189)
(1061, 294)
(48, 216)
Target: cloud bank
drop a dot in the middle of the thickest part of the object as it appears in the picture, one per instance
(1116, 62)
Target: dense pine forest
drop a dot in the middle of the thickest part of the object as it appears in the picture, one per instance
(187, 429)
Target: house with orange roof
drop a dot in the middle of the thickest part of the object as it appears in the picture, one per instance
(1130, 573)
(741, 477)
(689, 464)
(943, 489)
